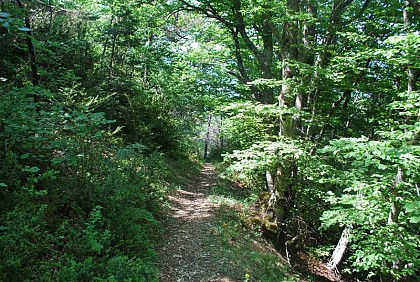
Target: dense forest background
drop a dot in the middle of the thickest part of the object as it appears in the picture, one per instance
(104, 103)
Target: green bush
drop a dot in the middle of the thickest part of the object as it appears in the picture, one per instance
(80, 205)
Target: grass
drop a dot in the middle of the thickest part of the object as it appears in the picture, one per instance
(238, 243)
(180, 170)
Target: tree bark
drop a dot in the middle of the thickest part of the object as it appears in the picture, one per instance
(282, 177)
(289, 54)
(35, 77)
(395, 209)
(207, 140)
(112, 57)
(265, 56)
(244, 78)
(412, 72)
(340, 249)
(274, 213)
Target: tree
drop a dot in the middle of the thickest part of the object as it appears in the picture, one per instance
(286, 46)
(82, 165)
(387, 259)
(335, 72)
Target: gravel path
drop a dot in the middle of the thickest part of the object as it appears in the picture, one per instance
(184, 256)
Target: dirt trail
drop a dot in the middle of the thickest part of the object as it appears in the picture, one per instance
(184, 251)
(184, 256)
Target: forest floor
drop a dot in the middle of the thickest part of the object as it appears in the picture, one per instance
(184, 255)
(205, 240)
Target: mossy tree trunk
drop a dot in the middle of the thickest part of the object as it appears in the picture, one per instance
(287, 126)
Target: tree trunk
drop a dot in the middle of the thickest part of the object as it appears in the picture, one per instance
(412, 72)
(111, 59)
(289, 54)
(395, 209)
(277, 186)
(207, 140)
(287, 127)
(340, 249)
(35, 78)
(273, 215)
(263, 56)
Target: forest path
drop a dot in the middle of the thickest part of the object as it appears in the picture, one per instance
(184, 255)
(205, 240)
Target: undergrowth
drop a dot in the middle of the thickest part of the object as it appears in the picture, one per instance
(237, 241)
(78, 203)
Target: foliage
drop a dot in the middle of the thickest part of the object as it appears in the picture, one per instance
(77, 199)
(303, 200)
(240, 245)
(363, 197)
(245, 123)
(97, 97)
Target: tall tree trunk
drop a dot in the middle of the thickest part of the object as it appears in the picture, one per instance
(287, 123)
(148, 58)
(412, 72)
(243, 75)
(395, 209)
(111, 59)
(207, 139)
(265, 56)
(289, 54)
(274, 213)
(35, 77)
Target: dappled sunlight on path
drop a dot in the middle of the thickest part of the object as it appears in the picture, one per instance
(184, 255)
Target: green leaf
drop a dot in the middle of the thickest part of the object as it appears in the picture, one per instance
(4, 15)
(33, 169)
(414, 219)
(412, 209)
(3, 185)
(24, 29)
(24, 156)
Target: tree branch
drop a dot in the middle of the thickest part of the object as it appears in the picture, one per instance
(210, 12)
(241, 27)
